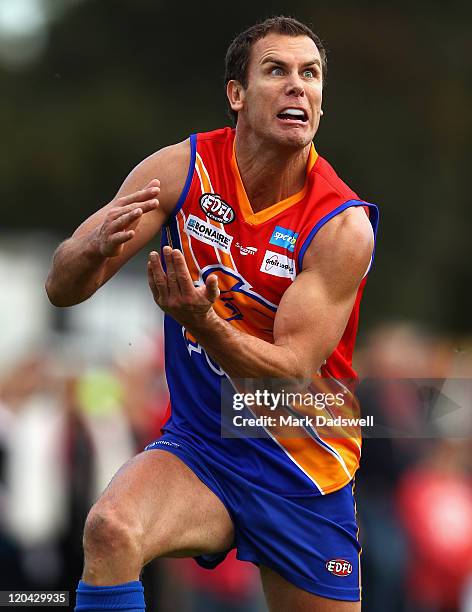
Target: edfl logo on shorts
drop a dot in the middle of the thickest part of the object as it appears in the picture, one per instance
(284, 238)
(339, 567)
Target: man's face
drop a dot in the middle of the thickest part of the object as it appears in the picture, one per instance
(282, 100)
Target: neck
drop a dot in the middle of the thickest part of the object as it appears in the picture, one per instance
(269, 174)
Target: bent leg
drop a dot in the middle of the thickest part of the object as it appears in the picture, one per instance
(154, 506)
(282, 596)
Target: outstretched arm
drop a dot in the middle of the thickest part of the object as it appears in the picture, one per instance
(311, 317)
(104, 242)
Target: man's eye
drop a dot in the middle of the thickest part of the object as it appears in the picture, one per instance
(276, 71)
(308, 74)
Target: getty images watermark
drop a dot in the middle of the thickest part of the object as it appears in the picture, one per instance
(371, 408)
(285, 407)
(293, 409)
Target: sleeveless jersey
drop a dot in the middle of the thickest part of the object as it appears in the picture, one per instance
(256, 256)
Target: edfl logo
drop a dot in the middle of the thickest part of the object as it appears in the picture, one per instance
(339, 567)
(216, 208)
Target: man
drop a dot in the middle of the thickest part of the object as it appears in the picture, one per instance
(264, 252)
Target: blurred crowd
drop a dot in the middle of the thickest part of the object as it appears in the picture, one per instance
(414, 488)
(66, 427)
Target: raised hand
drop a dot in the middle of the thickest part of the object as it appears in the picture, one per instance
(122, 218)
(175, 292)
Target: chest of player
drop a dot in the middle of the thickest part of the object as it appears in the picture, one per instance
(216, 236)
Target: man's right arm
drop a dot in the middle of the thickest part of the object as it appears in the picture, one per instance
(105, 241)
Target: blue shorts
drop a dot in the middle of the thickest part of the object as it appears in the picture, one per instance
(311, 541)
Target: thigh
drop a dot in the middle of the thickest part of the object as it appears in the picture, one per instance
(281, 596)
(309, 541)
(179, 515)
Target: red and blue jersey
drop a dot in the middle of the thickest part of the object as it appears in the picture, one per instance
(256, 257)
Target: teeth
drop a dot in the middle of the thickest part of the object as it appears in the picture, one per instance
(296, 112)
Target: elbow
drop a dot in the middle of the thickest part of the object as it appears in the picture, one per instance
(52, 293)
(295, 367)
(55, 297)
(301, 367)
(302, 373)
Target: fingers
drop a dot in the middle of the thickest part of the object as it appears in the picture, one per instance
(120, 238)
(182, 274)
(171, 273)
(173, 289)
(146, 206)
(120, 224)
(122, 217)
(121, 220)
(149, 192)
(152, 281)
(176, 280)
(212, 289)
(157, 278)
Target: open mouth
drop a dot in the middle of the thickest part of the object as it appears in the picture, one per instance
(293, 114)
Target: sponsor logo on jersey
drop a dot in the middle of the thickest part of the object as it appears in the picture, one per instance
(246, 250)
(208, 233)
(216, 208)
(278, 265)
(339, 567)
(284, 238)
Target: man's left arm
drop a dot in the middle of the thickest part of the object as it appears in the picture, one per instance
(312, 313)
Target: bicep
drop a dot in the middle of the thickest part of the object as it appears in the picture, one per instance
(314, 311)
(311, 319)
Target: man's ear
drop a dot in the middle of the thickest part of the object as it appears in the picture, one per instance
(236, 95)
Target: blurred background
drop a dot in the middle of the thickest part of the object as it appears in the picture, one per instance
(90, 88)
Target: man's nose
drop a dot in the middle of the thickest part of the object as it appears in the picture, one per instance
(295, 85)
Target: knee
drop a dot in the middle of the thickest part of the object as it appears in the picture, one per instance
(109, 532)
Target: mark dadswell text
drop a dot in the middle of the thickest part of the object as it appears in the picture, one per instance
(305, 421)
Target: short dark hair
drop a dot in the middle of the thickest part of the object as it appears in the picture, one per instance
(239, 51)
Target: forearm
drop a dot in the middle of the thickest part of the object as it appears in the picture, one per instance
(77, 271)
(242, 355)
